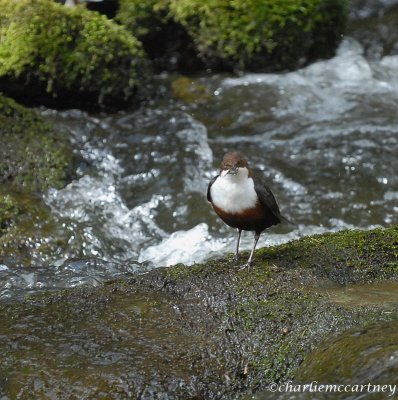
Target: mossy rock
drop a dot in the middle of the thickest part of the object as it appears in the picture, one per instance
(190, 90)
(359, 356)
(347, 257)
(33, 156)
(66, 56)
(207, 331)
(234, 35)
(8, 212)
(28, 234)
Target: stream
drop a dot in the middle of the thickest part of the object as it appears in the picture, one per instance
(325, 138)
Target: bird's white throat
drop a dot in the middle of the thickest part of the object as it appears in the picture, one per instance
(234, 193)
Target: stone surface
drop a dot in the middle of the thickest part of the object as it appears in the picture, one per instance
(206, 331)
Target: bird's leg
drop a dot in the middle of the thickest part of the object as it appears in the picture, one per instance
(236, 256)
(250, 260)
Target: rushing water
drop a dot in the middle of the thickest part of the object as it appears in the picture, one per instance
(325, 139)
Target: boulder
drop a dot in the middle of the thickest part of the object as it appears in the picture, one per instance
(256, 35)
(62, 56)
(34, 157)
(206, 331)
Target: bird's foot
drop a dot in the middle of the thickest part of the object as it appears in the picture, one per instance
(246, 266)
(235, 258)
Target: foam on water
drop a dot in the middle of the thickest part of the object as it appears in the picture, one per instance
(188, 247)
(105, 225)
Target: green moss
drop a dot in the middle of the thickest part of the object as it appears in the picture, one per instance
(33, 157)
(180, 272)
(254, 34)
(82, 53)
(8, 212)
(141, 17)
(347, 256)
(190, 91)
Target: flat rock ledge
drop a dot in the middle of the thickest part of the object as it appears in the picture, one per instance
(209, 331)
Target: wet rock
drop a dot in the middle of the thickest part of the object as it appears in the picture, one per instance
(84, 59)
(196, 34)
(364, 360)
(358, 356)
(208, 331)
(29, 235)
(346, 257)
(33, 158)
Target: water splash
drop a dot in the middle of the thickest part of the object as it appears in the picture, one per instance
(63, 274)
(102, 206)
(188, 247)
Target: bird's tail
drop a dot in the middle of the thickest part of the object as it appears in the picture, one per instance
(284, 219)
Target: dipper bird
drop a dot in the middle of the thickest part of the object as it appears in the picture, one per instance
(241, 201)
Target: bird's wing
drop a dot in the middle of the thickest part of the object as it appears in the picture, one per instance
(209, 187)
(267, 199)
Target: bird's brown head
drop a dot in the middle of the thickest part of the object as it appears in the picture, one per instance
(231, 163)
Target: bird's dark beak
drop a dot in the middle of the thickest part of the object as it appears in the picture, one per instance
(234, 170)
